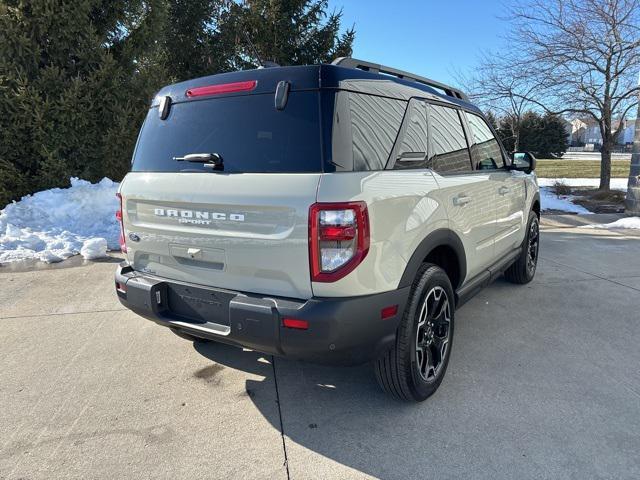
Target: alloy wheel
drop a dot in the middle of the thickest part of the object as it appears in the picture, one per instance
(532, 246)
(432, 334)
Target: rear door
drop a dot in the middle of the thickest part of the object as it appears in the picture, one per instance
(508, 187)
(243, 227)
(468, 196)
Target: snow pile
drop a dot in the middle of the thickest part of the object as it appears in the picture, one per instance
(629, 223)
(550, 201)
(94, 248)
(56, 224)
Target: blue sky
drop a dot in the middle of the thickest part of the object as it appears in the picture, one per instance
(427, 37)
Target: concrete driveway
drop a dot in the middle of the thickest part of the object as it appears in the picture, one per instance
(544, 382)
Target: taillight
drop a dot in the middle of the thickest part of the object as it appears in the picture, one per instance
(222, 88)
(123, 243)
(338, 239)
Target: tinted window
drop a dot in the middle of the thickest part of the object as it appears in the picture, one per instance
(247, 131)
(486, 151)
(449, 152)
(364, 130)
(411, 145)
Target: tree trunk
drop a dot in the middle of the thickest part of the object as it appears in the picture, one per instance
(632, 203)
(605, 165)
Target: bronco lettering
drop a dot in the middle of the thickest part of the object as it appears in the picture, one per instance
(197, 217)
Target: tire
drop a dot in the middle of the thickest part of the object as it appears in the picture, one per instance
(524, 268)
(420, 336)
(186, 336)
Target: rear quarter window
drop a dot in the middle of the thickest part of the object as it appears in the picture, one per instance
(247, 131)
(364, 130)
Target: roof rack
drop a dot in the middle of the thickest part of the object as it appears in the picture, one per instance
(377, 68)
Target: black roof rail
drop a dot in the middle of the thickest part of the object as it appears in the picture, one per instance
(350, 62)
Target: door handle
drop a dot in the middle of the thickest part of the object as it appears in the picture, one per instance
(504, 190)
(461, 200)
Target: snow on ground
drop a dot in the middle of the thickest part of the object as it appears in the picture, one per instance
(628, 222)
(550, 201)
(616, 183)
(56, 224)
(563, 203)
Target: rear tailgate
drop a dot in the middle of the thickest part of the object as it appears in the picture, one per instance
(243, 223)
(246, 232)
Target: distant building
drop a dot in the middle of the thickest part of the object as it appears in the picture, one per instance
(628, 131)
(586, 131)
(578, 132)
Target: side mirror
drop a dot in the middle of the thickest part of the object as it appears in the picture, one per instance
(523, 162)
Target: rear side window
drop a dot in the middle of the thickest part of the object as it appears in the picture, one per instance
(449, 152)
(486, 151)
(364, 130)
(411, 146)
(246, 131)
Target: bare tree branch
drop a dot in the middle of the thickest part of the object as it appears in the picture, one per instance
(580, 57)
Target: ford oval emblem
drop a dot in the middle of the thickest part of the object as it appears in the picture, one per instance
(133, 237)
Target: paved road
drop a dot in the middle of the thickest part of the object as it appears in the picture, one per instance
(543, 383)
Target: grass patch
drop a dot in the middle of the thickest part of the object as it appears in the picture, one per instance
(579, 168)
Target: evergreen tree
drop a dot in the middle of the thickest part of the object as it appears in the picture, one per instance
(507, 131)
(74, 90)
(531, 132)
(286, 32)
(491, 118)
(554, 140)
(191, 41)
(545, 136)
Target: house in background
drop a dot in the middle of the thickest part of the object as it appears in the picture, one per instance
(628, 131)
(578, 129)
(585, 132)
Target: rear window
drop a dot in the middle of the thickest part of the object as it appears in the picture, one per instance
(247, 131)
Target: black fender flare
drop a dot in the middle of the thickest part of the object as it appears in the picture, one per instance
(536, 198)
(435, 239)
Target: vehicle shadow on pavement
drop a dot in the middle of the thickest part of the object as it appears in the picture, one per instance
(339, 413)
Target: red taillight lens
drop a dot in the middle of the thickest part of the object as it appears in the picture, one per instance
(224, 88)
(295, 323)
(338, 239)
(123, 243)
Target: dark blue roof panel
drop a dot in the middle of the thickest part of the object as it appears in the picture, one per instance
(311, 77)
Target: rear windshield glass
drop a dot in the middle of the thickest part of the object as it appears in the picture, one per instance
(246, 131)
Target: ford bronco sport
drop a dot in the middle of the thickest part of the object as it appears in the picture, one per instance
(331, 213)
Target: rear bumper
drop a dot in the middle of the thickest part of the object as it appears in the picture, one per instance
(347, 331)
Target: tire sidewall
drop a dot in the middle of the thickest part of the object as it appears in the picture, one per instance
(431, 277)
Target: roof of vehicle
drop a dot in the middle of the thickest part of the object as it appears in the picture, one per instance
(323, 76)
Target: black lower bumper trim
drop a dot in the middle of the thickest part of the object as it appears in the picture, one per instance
(347, 330)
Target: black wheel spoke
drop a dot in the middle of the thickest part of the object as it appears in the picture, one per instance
(436, 307)
(432, 333)
(532, 245)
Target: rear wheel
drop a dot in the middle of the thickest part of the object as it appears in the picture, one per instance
(524, 268)
(414, 368)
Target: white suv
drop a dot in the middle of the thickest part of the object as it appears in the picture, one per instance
(332, 213)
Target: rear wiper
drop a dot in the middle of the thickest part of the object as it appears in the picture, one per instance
(211, 160)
